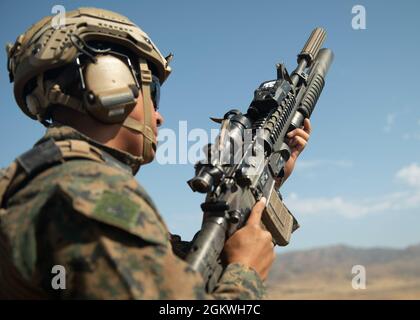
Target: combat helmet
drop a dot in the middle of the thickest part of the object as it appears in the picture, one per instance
(111, 57)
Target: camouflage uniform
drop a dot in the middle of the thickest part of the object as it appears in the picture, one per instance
(96, 220)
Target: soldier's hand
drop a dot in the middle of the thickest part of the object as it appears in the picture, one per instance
(297, 140)
(251, 245)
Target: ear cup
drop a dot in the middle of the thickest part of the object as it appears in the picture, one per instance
(111, 90)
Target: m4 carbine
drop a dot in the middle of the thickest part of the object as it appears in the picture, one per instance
(249, 156)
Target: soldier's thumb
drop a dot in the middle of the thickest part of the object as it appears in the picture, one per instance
(256, 213)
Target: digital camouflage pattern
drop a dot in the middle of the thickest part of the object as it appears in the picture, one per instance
(99, 223)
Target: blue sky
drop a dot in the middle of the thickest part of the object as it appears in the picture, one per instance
(358, 181)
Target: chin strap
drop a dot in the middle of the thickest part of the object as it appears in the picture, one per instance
(145, 128)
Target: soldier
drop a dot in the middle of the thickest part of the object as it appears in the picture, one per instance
(72, 199)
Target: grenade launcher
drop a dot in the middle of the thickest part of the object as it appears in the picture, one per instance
(249, 155)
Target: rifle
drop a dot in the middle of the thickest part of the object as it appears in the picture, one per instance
(255, 141)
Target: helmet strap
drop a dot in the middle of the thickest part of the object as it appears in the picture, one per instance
(145, 128)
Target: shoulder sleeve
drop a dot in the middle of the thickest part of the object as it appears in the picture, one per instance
(105, 262)
(111, 196)
(114, 245)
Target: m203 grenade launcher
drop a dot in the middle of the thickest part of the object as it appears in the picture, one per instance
(249, 156)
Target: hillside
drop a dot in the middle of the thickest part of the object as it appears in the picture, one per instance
(326, 273)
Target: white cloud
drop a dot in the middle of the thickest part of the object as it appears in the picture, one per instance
(311, 164)
(410, 175)
(354, 208)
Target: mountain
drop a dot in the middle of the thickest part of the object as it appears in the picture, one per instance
(326, 273)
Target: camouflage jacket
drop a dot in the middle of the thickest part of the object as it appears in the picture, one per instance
(97, 221)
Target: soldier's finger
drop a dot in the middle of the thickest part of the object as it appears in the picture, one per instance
(292, 143)
(299, 143)
(291, 133)
(256, 213)
(307, 126)
(298, 133)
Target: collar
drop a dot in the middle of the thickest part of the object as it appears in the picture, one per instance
(59, 132)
